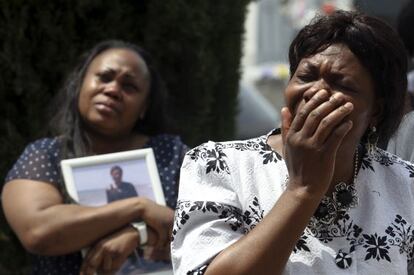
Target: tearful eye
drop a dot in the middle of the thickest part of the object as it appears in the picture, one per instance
(104, 77)
(130, 87)
(306, 77)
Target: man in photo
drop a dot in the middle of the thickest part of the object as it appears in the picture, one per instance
(119, 189)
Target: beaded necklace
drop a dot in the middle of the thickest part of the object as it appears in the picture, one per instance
(332, 208)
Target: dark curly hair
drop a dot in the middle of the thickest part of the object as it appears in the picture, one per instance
(67, 122)
(378, 48)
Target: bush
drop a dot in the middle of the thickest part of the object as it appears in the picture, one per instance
(196, 44)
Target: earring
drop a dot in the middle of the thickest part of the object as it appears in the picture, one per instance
(372, 140)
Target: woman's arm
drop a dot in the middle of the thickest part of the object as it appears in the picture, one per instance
(310, 154)
(266, 249)
(46, 226)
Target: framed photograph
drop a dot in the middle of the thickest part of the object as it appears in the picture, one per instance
(102, 179)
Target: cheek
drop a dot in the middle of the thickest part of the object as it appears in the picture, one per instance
(361, 118)
(83, 102)
(87, 91)
(137, 105)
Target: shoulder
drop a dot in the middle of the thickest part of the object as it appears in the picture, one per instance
(45, 144)
(166, 139)
(234, 151)
(383, 162)
(39, 161)
(167, 142)
(44, 147)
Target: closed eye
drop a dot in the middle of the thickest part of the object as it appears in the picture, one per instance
(344, 86)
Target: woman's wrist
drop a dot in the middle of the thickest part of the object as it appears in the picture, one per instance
(141, 229)
(305, 194)
(140, 205)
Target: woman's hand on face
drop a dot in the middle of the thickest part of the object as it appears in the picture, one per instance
(311, 140)
(108, 254)
(160, 220)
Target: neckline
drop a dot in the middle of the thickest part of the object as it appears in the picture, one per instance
(275, 131)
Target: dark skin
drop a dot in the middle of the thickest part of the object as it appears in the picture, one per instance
(113, 97)
(330, 103)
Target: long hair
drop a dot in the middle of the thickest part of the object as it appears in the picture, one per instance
(67, 122)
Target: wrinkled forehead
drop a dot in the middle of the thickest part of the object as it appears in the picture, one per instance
(336, 56)
(121, 59)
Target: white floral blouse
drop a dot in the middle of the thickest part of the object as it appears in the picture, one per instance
(227, 188)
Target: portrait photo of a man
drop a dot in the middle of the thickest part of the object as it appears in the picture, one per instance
(119, 189)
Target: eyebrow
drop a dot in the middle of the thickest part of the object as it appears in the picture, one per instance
(310, 66)
(333, 74)
(127, 75)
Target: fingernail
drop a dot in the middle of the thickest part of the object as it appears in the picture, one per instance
(349, 105)
(335, 97)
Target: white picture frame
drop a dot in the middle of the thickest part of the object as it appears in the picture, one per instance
(88, 179)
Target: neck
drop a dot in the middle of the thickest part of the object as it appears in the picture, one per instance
(344, 163)
(344, 168)
(103, 144)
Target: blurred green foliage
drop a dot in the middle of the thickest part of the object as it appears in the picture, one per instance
(196, 45)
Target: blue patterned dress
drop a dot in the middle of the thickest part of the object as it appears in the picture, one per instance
(40, 162)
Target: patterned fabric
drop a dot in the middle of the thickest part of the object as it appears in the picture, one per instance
(40, 161)
(402, 142)
(227, 188)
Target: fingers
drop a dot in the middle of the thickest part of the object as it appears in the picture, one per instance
(163, 239)
(319, 113)
(318, 118)
(338, 135)
(107, 263)
(157, 254)
(91, 262)
(331, 121)
(286, 122)
(302, 113)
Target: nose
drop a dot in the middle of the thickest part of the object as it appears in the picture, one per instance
(317, 86)
(113, 90)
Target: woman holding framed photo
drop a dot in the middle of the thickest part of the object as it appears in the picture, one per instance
(113, 101)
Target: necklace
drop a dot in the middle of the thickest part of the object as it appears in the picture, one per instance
(332, 208)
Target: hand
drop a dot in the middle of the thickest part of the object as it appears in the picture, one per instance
(312, 138)
(156, 253)
(160, 220)
(108, 254)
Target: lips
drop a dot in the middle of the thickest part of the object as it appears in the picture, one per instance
(108, 107)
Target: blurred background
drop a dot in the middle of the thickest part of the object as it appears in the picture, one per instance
(270, 26)
(224, 63)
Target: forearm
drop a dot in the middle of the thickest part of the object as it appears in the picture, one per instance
(266, 249)
(66, 228)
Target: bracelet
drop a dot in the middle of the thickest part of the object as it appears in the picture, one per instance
(141, 227)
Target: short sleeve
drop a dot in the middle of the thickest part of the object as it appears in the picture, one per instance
(208, 216)
(39, 161)
(169, 152)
